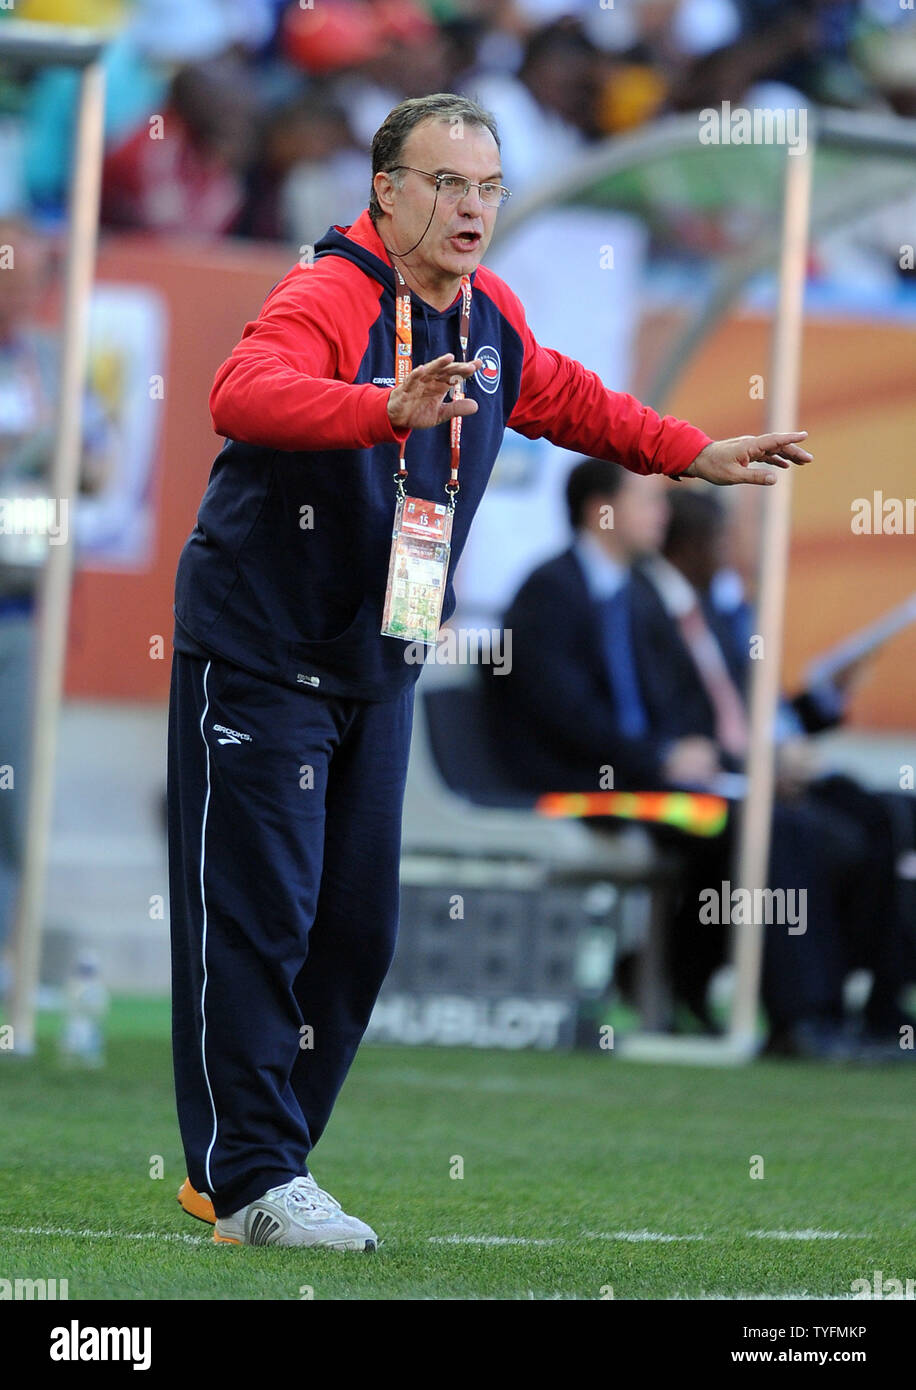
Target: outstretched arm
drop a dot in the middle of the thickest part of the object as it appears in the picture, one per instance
(561, 400)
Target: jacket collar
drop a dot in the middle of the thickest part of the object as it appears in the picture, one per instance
(363, 234)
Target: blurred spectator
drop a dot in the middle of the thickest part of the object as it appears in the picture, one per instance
(341, 35)
(184, 172)
(617, 663)
(361, 59)
(140, 63)
(648, 48)
(728, 74)
(381, 52)
(555, 73)
(308, 172)
(489, 36)
(572, 702)
(830, 836)
(821, 66)
(547, 114)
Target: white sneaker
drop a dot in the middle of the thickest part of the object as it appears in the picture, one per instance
(298, 1212)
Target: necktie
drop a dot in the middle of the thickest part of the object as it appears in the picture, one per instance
(731, 722)
(617, 643)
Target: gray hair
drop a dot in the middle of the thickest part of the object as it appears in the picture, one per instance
(389, 140)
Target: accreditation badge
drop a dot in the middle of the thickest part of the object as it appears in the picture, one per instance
(420, 546)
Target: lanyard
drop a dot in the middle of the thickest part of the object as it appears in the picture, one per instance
(403, 363)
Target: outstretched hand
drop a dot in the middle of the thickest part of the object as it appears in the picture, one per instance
(419, 402)
(728, 461)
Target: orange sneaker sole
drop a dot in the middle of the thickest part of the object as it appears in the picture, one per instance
(196, 1203)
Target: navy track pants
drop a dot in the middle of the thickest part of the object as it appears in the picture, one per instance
(284, 812)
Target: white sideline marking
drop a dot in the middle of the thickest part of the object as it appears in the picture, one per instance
(768, 1297)
(557, 1240)
(495, 1240)
(631, 1236)
(636, 1236)
(103, 1235)
(808, 1235)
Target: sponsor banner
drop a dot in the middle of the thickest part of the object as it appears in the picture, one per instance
(457, 1020)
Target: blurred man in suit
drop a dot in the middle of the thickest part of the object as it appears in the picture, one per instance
(830, 836)
(573, 704)
(571, 713)
(618, 665)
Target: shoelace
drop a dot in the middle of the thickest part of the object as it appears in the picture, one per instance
(305, 1194)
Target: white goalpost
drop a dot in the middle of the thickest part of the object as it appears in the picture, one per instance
(753, 845)
(38, 45)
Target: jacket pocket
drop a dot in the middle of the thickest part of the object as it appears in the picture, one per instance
(310, 660)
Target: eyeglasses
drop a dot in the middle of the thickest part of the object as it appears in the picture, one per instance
(453, 187)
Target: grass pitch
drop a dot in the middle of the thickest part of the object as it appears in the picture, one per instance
(581, 1174)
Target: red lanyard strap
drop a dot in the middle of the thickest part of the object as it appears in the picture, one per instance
(403, 363)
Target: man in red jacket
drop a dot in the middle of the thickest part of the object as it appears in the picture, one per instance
(291, 702)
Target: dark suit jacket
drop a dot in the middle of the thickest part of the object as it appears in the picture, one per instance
(674, 695)
(554, 716)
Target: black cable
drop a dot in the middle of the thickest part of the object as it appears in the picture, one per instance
(399, 255)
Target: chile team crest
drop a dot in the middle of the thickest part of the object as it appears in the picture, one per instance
(488, 376)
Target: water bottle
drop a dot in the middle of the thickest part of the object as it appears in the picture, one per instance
(86, 1004)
